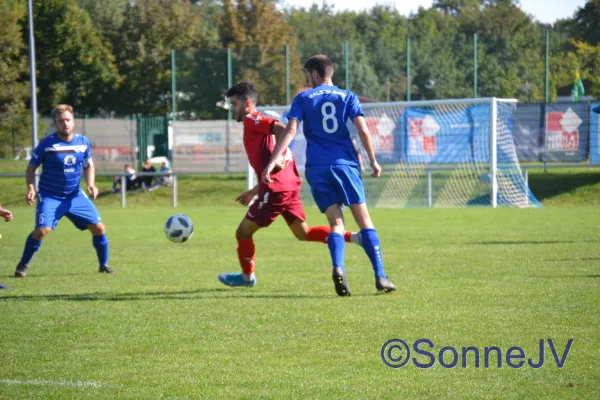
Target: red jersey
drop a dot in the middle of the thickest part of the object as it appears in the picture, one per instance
(259, 143)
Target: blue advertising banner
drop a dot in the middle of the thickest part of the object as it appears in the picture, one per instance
(595, 133)
(528, 131)
(445, 135)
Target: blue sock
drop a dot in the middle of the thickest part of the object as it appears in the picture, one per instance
(336, 244)
(31, 246)
(370, 242)
(101, 246)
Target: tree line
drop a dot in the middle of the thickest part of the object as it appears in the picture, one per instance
(113, 57)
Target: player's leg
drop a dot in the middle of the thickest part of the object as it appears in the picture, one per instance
(350, 183)
(318, 233)
(296, 220)
(100, 243)
(336, 244)
(245, 252)
(84, 215)
(260, 215)
(48, 211)
(372, 246)
(245, 249)
(329, 200)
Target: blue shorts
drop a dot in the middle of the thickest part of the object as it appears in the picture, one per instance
(333, 184)
(78, 208)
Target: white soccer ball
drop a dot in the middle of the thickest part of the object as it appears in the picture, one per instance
(179, 228)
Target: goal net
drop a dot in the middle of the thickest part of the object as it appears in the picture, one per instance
(439, 153)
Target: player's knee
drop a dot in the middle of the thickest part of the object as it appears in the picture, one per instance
(337, 227)
(40, 233)
(97, 229)
(240, 233)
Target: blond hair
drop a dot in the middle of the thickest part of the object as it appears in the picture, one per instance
(62, 108)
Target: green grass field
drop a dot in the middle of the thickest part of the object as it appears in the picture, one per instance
(165, 328)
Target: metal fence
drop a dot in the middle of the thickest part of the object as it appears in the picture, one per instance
(175, 186)
(547, 133)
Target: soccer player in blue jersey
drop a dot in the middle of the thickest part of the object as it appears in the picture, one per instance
(63, 155)
(332, 167)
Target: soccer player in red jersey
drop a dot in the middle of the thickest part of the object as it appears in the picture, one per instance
(281, 196)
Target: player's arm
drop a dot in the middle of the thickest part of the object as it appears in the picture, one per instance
(365, 137)
(30, 180)
(283, 141)
(6, 214)
(278, 130)
(37, 159)
(246, 197)
(282, 162)
(89, 172)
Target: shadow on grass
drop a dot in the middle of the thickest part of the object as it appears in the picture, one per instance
(548, 185)
(214, 293)
(108, 194)
(567, 276)
(575, 259)
(530, 242)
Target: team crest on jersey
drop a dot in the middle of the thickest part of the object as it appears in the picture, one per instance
(70, 160)
(255, 118)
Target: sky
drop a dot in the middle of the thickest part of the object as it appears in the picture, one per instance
(546, 11)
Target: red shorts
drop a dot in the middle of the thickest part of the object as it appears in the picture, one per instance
(270, 205)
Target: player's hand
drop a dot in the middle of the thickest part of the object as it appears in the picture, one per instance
(30, 197)
(93, 191)
(266, 175)
(245, 198)
(376, 169)
(7, 215)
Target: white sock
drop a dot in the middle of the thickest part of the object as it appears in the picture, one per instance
(355, 238)
(248, 277)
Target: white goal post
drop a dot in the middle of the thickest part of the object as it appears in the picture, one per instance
(435, 153)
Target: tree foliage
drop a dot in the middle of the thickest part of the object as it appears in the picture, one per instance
(14, 89)
(584, 25)
(74, 64)
(114, 56)
(257, 34)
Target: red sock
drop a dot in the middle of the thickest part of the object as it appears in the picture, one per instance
(318, 234)
(245, 252)
(347, 236)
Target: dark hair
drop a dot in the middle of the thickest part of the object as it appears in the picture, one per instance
(244, 90)
(320, 63)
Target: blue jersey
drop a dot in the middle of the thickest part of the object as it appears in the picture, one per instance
(61, 163)
(325, 111)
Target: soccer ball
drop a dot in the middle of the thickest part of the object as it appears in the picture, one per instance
(179, 228)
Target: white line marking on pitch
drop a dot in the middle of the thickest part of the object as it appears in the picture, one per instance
(79, 384)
